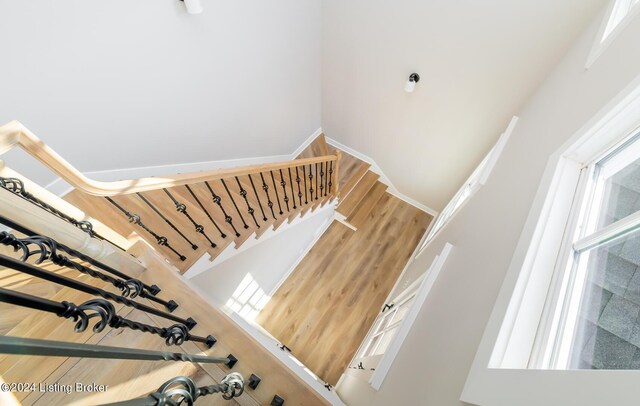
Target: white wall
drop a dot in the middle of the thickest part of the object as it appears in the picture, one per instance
(432, 366)
(262, 266)
(126, 84)
(479, 61)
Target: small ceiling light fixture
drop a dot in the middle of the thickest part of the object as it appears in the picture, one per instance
(193, 6)
(410, 86)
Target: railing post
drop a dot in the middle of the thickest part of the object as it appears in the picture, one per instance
(336, 173)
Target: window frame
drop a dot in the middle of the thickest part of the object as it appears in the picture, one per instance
(554, 341)
(478, 178)
(417, 293)
(501, 371)
(607, 33)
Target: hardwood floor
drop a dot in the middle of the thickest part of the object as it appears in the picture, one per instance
(325, 308)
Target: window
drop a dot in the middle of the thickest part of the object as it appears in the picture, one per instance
(567, 300)
(384, 340)
(475, 181)
(596, 321)
(620, 10)
(619, 14)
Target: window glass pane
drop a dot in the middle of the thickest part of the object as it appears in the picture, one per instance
(608, 330)
(621, 195)
(385, 340)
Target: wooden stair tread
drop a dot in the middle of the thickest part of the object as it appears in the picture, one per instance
(348, 205)
(363, 211)
(318, 147)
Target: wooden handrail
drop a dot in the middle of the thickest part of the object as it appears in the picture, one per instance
(14, 134)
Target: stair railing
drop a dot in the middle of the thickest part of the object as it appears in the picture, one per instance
(206, 210)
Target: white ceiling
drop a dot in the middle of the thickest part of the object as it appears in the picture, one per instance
(478, 60)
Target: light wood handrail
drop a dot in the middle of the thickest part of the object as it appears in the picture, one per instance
(14, 134)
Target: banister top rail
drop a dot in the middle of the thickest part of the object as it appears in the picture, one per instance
(14, 134)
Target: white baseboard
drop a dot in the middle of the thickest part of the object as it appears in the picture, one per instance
(60, 187)
(375, 168)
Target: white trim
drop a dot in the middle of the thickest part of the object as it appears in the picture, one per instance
(601, 43)
(493, 365)
(476, 180)
(394, 347)
(375, 168)
(61, 188)
(268, 344)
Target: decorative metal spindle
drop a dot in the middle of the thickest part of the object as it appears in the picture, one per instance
(153, 289)
(181, 390)
(182, 208)
(304, 176)
(250, 210)
(32, 270)
(137, 220)
(330, 175)
(284, 190)
(255, 192)
(293, 196)
(222, 234)
(273, 180)
(298, 182)
(47, 249)
(326, 179)
(311, 182)
(322, 179)
(245, 225)
(49, 348)
(218, 200)
(16, 186)
(316, 180)
(166, 220)
(265, 187)
(105, 312)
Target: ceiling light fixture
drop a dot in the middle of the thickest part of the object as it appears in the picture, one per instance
(193, 6)
(410, 86)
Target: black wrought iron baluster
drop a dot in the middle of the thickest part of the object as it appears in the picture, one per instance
(222, 234)
(284, 190)
(311, 182)
(182, 208)
(326, 179)
(298, 182)
(255, 192)
(106, 314)
(218, 200)
(265, 187)
(137, 220)
(182, 390)
(273, 180)
(293, 196)
(330, 176)
(316, 180)
(50, 348)
(153, 289)
(16, 186)
(245, 225)
(46, 248)
(321, 179)
(250, 210)
(33, 270)
(166, 220)
(304, 176)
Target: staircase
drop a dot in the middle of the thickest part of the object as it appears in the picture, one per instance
(224, 208)
(143, 234)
